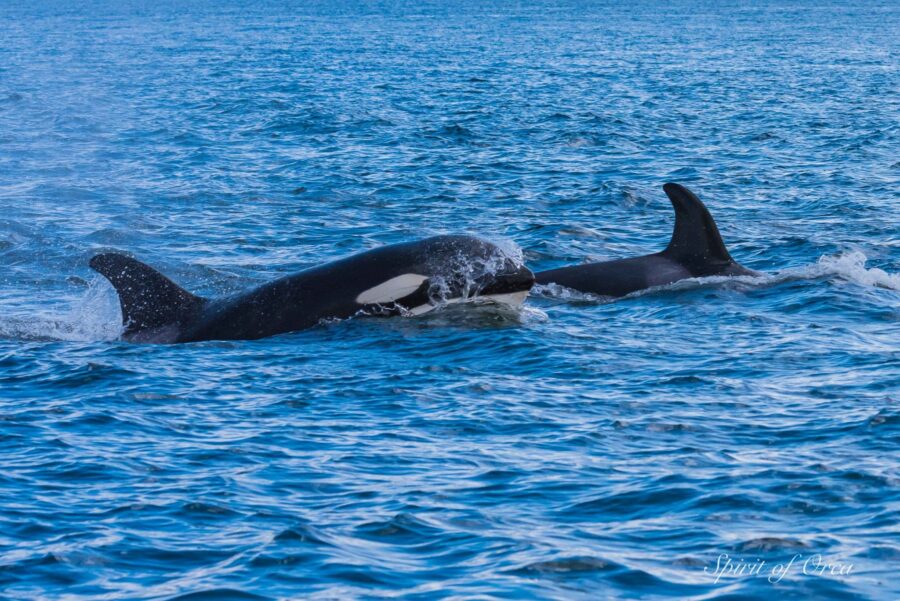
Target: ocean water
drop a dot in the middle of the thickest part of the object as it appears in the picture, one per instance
(715, 439)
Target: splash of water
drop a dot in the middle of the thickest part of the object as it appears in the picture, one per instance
(851, 267)
(93, 317)
(463, 276)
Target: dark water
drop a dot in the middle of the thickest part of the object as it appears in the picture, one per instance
(577, 448)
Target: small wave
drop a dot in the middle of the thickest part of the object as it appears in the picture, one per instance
(400, 529)
(563, 293)
(884, 419)
(578, 567)
(633, 503)
(199, 509)
(220, 594)
(578, 564)
(768, 544)
(453, 133)
(300, 534)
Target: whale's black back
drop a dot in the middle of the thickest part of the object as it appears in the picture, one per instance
(696, 249)
(383, 281)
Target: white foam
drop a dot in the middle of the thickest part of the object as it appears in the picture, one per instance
(851, 267)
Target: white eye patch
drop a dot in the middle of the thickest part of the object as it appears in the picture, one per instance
(391, 290)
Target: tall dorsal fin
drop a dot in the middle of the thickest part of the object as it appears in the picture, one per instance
(696, 237)
(149, 299)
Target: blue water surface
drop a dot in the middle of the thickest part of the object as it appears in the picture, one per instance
(577, 448)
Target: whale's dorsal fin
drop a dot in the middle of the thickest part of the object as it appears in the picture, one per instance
(696, 238)
(149, 299)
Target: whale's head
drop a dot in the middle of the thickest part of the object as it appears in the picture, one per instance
(501, 279)
(449, 269)
(465, 268)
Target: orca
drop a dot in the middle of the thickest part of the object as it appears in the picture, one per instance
(695, 250)
(401, 279)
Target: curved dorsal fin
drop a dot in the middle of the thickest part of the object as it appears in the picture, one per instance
(149, 299)
(696, 237)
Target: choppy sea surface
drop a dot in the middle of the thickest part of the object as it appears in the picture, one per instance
(656, 446)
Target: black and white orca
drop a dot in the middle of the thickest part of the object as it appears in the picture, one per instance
(695, 250)
(401, 279)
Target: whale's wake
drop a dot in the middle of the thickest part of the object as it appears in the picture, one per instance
(850, 267)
